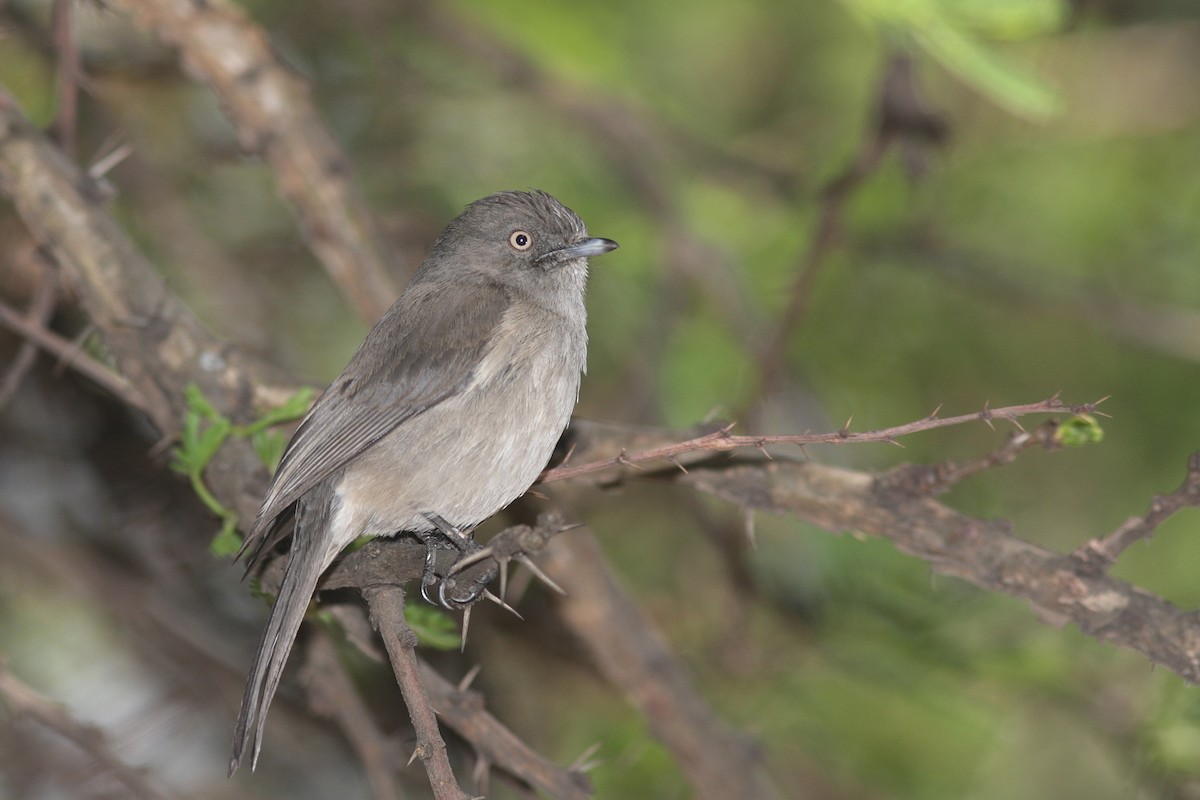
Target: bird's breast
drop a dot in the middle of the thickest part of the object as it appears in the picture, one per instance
(471, 455)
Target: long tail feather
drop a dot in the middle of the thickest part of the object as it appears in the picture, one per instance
(308, 560)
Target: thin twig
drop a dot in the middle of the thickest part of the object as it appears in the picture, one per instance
(39, 313)
(66, 49)
(722, 439)
(1102, 553)
(332, 693)
(932, 480)
(901, 120)
(25, 701)
(71, 355)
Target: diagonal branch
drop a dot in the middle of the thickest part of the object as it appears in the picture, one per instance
(22, 700)
(271, 108)
(981, 552)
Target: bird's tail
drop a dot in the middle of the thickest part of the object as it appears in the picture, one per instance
(308, 560)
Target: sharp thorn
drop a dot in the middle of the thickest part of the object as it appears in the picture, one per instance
(469, 678)
(543, 577)
(487, 594)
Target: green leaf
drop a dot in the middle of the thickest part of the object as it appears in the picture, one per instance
(210, 441)
(955, 34)
(228, 541)
(268, 446)
(198, 403)
(294, 407)
(432, 627)
(1079, 431)
(1005, 83)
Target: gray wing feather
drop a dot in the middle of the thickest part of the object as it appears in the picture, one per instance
(423, 350)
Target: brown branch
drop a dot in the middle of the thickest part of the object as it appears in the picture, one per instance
(981, 552)
(722, 440)
(70, 354)
(717, 761)
(332, 694)
(23, 701)
(156, 343)
(1102, 553)
(900, 117)
(40, 309)
(274, 115)
(932, 480)
(387, 615)
(463, 711)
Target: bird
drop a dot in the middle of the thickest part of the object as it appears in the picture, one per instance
(446, 413)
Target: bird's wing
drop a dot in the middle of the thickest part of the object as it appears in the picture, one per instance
(423, 351)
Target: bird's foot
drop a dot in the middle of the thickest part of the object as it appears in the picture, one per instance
(457, 587)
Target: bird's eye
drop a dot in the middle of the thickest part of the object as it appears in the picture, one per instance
(520, 240)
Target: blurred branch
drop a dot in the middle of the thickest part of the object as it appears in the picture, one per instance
(332, 694)
(40, 309)
(274, 115)
(632, 654)
(901, 119)
(1172, 330)
(23, 701)
(66, 51)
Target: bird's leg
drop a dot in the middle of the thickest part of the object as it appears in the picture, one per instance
(452, 534)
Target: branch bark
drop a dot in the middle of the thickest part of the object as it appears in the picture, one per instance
(274, 116)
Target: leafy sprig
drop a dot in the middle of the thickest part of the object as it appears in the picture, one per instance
(205, 430)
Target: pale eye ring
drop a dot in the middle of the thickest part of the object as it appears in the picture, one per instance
(520, 240)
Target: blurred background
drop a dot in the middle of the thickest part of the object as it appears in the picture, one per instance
(826, 210)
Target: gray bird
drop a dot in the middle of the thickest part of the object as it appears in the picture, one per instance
(446, 414)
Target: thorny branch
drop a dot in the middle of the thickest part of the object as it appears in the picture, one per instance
(723, 439)
(387, 615)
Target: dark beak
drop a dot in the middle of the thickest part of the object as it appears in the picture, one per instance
(584, 249)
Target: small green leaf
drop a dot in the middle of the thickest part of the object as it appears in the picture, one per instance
(1079, 431)
(198, 403)
(210, 441)
(432, 627)
(294, 407)
(228, 541)
(268, 446)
